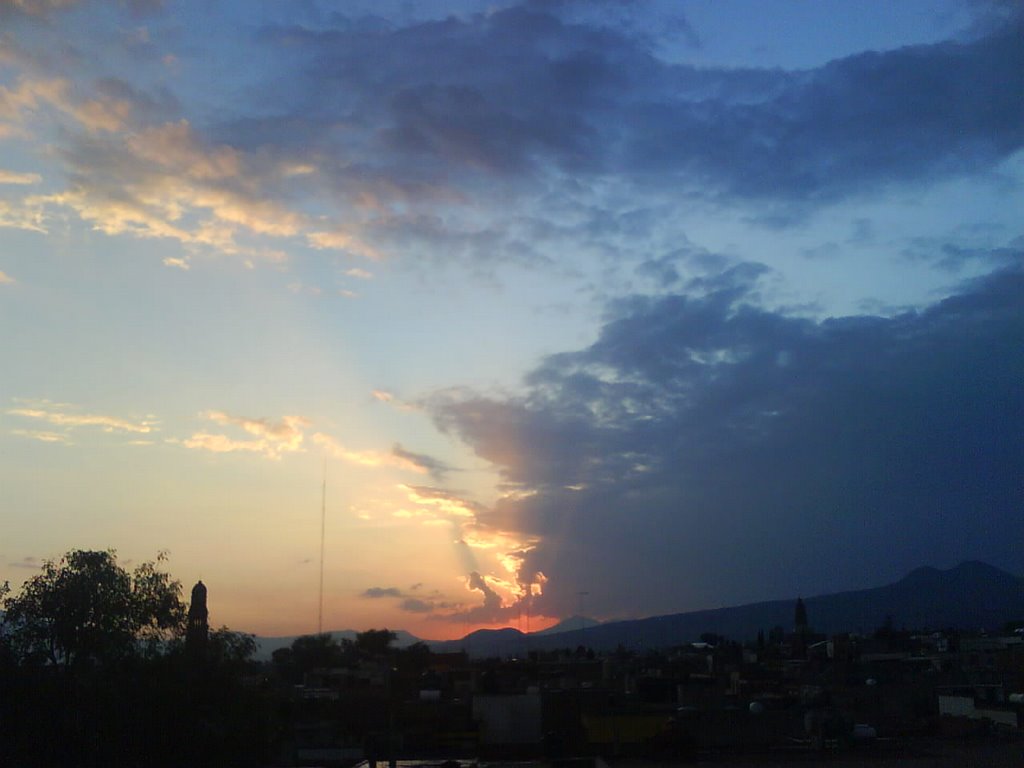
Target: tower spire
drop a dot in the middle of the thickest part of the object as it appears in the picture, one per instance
(197, 632)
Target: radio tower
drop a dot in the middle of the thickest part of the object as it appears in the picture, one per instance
(323, 525)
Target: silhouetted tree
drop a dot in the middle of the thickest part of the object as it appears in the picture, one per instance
(87, 607)
(374, 642)
(230, 648)
(307, 653)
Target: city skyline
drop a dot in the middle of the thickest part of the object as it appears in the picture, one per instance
(675, 305)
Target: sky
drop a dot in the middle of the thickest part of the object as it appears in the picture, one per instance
(614, 308)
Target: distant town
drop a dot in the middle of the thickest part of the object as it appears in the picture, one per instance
(104, 667)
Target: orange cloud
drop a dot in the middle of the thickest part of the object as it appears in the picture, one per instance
(174, 146)
(23, 215)
(338, 240)
(72, 420)
(336, 450)
(273, 438)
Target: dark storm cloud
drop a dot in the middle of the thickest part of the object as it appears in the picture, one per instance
(524, 92)
(704, 449)
(532, 134)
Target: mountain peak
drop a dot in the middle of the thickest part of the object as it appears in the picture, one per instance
(968, 569)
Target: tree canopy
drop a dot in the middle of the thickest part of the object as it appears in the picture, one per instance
(87, 607)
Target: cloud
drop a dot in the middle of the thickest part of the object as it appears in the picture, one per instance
(14, 177)
(705, 449)
(204, 441)
(106, 113)
(272, 438)
(398, 457)
(492, 610)
(421, 461)
(47, 413)
(34, 7)
(377, 592)
(442, 501)
(338, 240)
(6, 279)
(175, 146)
(172, 261)
(481, 130)
(513, 93)
(383, 396)
(482, 549)
(43, 436)
(287, 432)
(33, 563)
(25, 214)
(410, 603)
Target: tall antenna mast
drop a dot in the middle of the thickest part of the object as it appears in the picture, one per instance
(323, 526)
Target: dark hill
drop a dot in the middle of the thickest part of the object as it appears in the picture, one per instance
(971, 596)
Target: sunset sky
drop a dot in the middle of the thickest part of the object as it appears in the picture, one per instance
(634, 307)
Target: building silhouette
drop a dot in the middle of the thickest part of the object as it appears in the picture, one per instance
(197, 633)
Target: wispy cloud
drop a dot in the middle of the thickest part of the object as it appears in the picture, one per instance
(378, 592)
(24, 214)
(411, 603)
(442, 501)
(33, 563)
(339, 240)
(204, 441)
(421, 461)
(13, 177)
(272, 438)
(43, 436)
(175, 146)
(365, 458)
(5, 279)
(70, 420)
(173, 261)
(384, 396)
(102, 113)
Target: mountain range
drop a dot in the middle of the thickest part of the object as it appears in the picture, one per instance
(970, 596)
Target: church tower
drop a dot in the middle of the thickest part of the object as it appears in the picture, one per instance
(198, 631)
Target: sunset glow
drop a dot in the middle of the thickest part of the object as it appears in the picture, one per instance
(669, 304)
